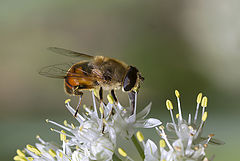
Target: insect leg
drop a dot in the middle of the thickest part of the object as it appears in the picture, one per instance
(101, 104)
(79, 103)
(132, 99)
(114, 96)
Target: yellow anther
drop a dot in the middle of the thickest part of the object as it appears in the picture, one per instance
(204, 101)
(124, 110)
(52, 153)
(77, 147)
(19, 158)
(204, 117)
(110, 98)
(60, 154)
(80, 128)
(37, 137)
(161, 127)
(30, 158)
(52, 129)
(67, 101)
(20, 153)
(177, 94)
(73, 126)
(101, 110)
(177, 115)
(65, 123)
(122, 152)
(163, 160)
(199, 98)
(96, 92)
(140, 136)
(62, 136)
(46, 120)
(33, 149)
(162, 143)
(169, 105)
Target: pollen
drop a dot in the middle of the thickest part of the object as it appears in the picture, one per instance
(199, 98)
(73, 126)
(19, 158)
(67, 101)
(169, 105)
(62, 136)
(30, 158)
(204, 117)
(177, 115)
(33, 149)
(140, 136)
(52, 152)
(61, 155)
(20, 153)
(65, 123)
(110, 98)
(162, 143)
(204, 101)
(177, 94)
(122, 152)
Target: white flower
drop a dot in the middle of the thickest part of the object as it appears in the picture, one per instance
(125, 123)
(189, 145)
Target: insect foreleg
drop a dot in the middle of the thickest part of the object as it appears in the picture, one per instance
(79, 103)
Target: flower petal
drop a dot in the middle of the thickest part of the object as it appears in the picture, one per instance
(149, 123)
(144, 112)
(151, 151)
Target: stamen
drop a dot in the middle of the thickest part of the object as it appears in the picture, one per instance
(67, 101)
(189, 119)
(19, 158)
(33, 149)
(20, 153)
(122, 152)
(162, 143)
(164, 136)
(140, 136)
(62, 136)
(94, 104)
(65, 123)
(54, 123)
(52, 153)
(170, 107)
(204, 104)
(179, 104)
(41, 140)
(199, 98)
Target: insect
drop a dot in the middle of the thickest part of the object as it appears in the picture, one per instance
(94, 73)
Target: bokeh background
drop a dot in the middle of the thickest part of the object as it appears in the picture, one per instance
(192, 46)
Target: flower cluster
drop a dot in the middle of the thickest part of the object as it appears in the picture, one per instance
(95, 136)
(188, 144)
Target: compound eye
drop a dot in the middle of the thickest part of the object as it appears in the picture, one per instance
(130, 79)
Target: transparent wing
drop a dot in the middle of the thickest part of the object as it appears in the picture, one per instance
(60, 71)
(69, 53)
(56, 71)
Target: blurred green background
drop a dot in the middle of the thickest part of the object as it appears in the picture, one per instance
(191, 46)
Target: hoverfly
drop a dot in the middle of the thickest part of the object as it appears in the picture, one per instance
(94, 73)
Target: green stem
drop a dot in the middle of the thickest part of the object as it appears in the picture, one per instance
(116, 158)
(138, 146)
